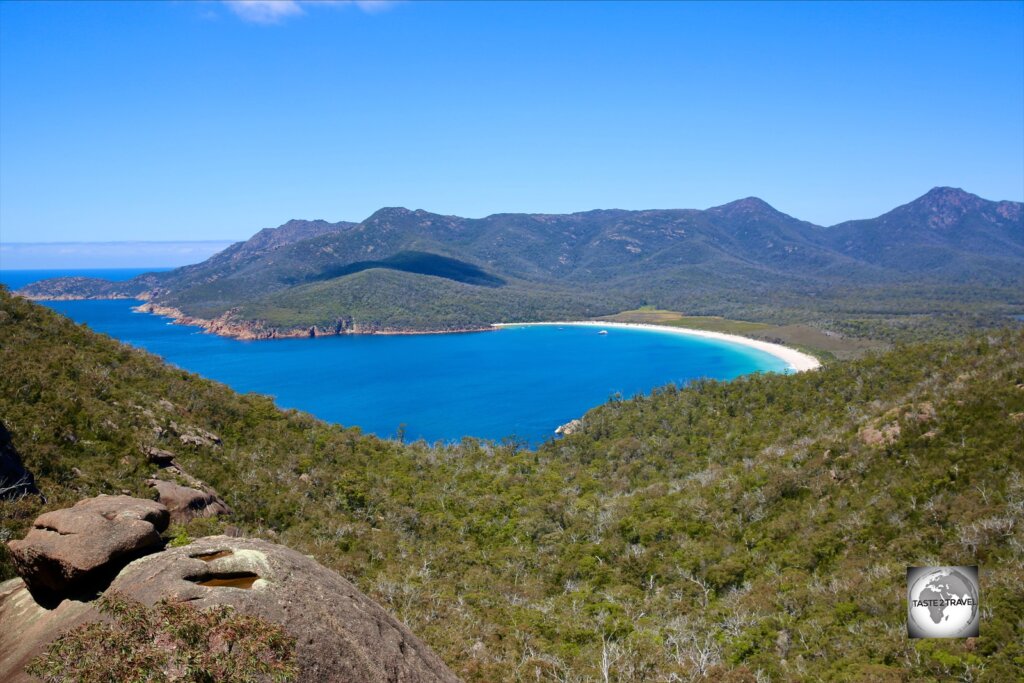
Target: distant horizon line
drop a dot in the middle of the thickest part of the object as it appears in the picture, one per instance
(108, 254)
(57, 242)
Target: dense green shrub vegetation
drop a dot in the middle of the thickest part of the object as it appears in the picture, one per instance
(753, 530)
(380, 298)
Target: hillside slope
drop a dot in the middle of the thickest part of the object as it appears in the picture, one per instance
(742, 259)
(947, 233)
(762, 525)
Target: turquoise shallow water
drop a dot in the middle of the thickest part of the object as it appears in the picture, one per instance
(515, 382)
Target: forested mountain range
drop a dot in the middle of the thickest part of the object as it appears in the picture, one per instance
(414, 270)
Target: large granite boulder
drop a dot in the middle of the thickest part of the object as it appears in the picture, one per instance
(341, 635)
(77, 550)
(15, 480)
(185, 503)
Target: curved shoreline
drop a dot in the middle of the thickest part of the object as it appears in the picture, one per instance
(798, 361)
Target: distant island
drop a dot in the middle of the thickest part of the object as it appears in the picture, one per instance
(949, 255)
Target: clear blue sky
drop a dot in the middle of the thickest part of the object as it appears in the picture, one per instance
(204, 120)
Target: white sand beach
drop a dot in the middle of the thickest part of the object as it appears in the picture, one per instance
(797, 360)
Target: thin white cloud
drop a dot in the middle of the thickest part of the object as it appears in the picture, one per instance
(373, 6)
(264, 11)
(276, 11)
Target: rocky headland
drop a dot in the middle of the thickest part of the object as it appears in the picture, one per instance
(228, 325)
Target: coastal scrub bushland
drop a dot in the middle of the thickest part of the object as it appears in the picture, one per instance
(722, 531)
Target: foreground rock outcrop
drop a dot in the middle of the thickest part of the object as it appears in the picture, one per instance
(341, 635)
(77, 550)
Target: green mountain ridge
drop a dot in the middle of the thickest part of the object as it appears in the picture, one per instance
(743, 258)
(735, 531)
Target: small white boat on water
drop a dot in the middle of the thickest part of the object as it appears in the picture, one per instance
(603, 332)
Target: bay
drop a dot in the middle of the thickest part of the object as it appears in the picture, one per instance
(514, 382)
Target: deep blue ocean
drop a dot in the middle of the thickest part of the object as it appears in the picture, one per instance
(519, 382)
